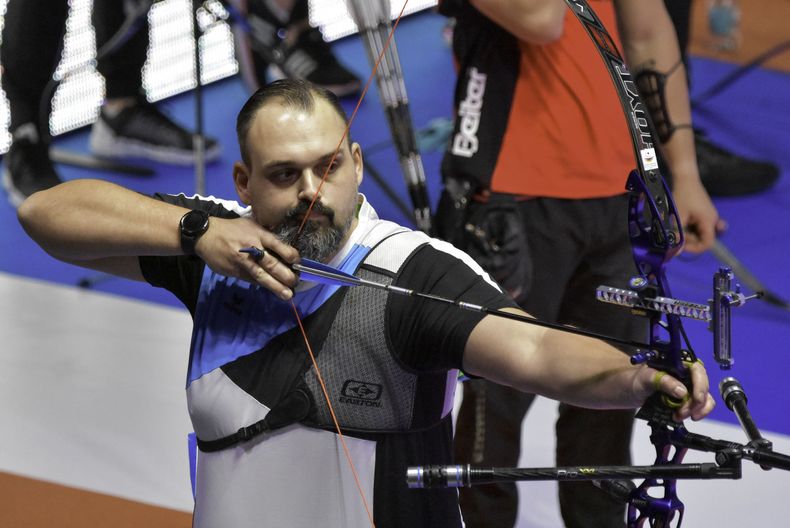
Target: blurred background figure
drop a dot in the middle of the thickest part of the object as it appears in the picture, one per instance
(128, 126)
(276, 41)
(723, 173)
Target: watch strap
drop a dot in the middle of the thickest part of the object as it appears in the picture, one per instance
(191, 227)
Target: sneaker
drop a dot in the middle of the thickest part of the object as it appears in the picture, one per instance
(311, 58)
(726, 174)
(269, 52)
(27, 168)
(142, 131)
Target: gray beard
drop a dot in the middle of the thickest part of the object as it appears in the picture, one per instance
(316, 242)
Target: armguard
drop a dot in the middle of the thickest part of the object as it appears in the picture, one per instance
(652, 89)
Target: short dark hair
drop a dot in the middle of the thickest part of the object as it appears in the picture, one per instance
(296, 93)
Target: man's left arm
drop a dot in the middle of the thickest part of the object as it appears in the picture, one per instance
(574, 369)
(432, 337)
(650, 43)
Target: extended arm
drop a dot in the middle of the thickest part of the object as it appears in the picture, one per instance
(575, 369)
(102, 226)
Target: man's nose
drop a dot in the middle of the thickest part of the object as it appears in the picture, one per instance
(309, 184)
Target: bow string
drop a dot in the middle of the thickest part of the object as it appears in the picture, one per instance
(317, 370)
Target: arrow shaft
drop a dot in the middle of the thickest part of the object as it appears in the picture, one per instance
(344, 279)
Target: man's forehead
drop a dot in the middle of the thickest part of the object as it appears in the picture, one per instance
(279, 112)
(279, 128)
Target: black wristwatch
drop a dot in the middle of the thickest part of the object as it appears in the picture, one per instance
(192, 226)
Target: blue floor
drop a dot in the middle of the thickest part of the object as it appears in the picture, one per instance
(751, 118)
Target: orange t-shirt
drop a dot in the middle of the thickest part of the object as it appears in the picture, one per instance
(566, 135)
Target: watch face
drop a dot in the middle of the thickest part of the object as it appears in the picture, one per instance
(195, 222)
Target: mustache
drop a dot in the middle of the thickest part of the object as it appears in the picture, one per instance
(314, 242)
(295, 215)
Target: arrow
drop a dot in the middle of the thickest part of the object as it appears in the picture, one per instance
(312, 271)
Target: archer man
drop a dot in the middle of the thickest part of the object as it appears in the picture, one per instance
(270, 453)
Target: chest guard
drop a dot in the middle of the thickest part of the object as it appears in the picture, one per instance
(371, 391)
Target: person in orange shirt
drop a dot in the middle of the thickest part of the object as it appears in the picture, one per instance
(534, 181)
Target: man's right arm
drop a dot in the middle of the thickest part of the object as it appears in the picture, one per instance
(102, 226)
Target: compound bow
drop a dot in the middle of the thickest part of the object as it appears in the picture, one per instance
(656, 237)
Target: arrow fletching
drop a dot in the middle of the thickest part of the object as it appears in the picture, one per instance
(310, 270)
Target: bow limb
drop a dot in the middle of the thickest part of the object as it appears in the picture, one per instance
(656, 237)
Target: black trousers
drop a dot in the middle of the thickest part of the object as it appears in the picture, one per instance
(575, 246)
(32, 41)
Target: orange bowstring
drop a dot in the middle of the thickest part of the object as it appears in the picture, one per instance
(353, 116)
(319, 376)
(334, 417)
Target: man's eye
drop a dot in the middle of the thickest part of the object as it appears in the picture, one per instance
(330, 168)
(284, 176)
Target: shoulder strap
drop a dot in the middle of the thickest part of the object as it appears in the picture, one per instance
(291, 409)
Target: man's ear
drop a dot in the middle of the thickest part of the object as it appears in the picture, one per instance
(359, 166)
(241, 179)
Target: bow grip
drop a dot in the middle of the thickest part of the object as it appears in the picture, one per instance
(665, 359)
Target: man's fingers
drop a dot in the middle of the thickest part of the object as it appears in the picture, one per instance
(696, 410)
(278, 269)
(721, 226)
(699, 237)
(286, 252)
(270, 272)
(260, 276)
(700, 411)
(670, 386)
(699, 381)
(696, 405)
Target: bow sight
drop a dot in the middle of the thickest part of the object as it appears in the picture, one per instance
(643, 300)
